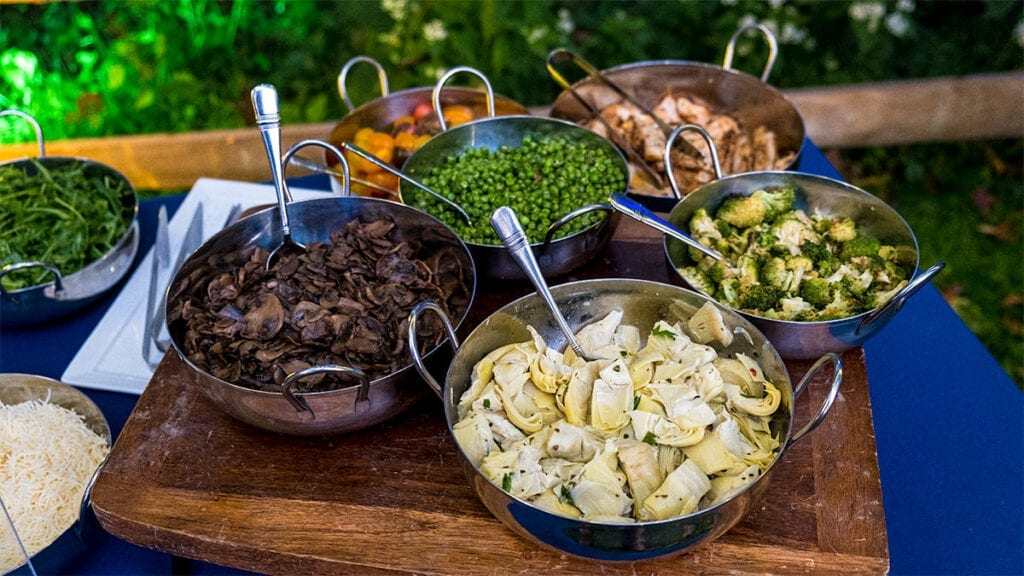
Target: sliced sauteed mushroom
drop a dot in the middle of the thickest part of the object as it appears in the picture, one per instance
(344, 302)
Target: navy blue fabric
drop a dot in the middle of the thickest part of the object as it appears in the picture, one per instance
(949, 427)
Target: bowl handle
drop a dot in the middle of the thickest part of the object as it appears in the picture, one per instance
(557, 225)
(35, 126)
(895, 304)
(435, 96)
(414, 348)
(670, 142)
(58, 280)
(300, 404)
(287, 159)
(837, 379)
(773, 48)
(382, 78)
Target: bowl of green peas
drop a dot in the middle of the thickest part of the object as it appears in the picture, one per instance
(557, 176)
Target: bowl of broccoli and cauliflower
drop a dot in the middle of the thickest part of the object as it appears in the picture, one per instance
(816, 264)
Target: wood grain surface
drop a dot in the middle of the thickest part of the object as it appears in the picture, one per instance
(185, 478)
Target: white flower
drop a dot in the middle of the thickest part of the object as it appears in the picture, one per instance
(792, 34)
(871, 11)
(897, 24)
(565, 23)
(1018, 33)
(905, 5)
(776, 4)
(394, 8)
(536, 35)
(434, 31)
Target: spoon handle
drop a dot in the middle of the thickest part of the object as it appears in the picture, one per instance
(640, 213)
(507, 227)
(268, 119)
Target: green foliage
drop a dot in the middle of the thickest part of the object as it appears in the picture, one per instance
(91, 68)
(143, 66)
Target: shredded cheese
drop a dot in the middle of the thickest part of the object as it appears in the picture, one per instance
(47, 455)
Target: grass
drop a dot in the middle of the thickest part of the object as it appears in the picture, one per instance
(965, 203)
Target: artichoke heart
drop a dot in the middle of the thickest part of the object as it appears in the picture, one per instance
(474, 436)
(640, 463)
(598, 338)
(612, 397)
(763, 406)
(572, 442)
(707, 325)
(678, 495)
(574, 397)
(598, 490)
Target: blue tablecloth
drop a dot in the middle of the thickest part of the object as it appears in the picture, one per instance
(949, 427)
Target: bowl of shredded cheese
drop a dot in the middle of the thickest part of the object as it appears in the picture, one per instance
(53, 439)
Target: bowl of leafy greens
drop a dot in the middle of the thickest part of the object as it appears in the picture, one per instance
(69, 234)
(816, 264)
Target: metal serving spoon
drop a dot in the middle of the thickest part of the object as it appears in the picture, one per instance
(268, 118)
(642, 214)
(512, 235)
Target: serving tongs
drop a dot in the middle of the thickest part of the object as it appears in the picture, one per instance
(561, 55)
(17, 537)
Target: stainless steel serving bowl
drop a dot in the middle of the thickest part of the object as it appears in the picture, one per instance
(748, 99)
(814, 194)
(643, 303)
(71, 290)
(314, 413)
(555, 256)
(380, 113)
(76, 541)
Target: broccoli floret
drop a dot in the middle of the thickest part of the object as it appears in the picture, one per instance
(696, 279)
(742, 211)
(882, 296)
(728, 291)
(861, 245)
(842, 229)
(761, 297)
(714, 270)
(747, 269)
(816, 291)
(774, 272)
(791, 232)
(776, 201)
(799, 262)
(891, 272)
(888, 253)
(841, 306)
(816, 251)
(702, 226)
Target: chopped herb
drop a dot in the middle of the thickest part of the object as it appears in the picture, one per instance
(565, 495)
(506, 482)
(636, 402)
(66, 216)
(487, 402)
(663, 333)
(651, 439)
(623, 353)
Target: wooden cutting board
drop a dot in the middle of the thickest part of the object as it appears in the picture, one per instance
(186, 479)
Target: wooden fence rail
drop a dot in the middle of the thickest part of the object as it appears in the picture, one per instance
(973, 107)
